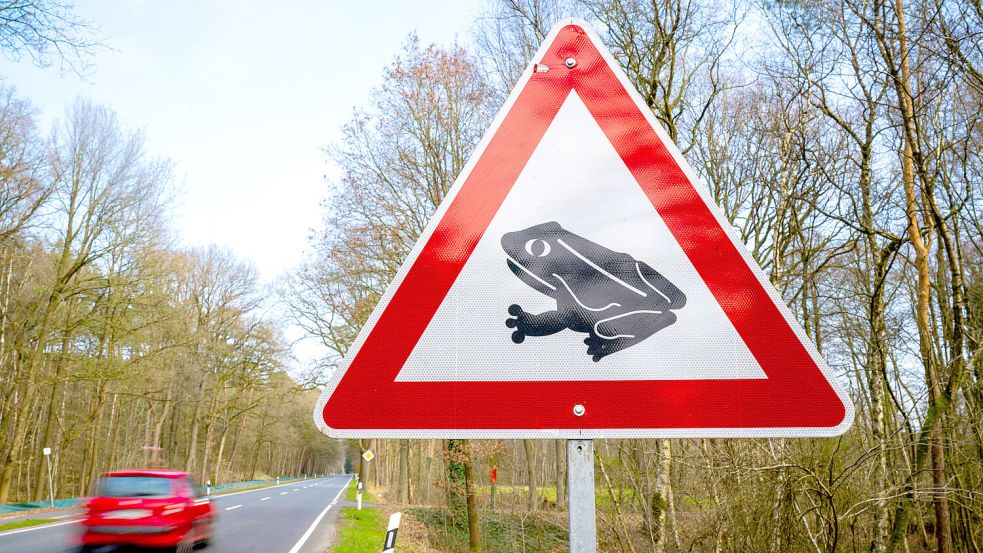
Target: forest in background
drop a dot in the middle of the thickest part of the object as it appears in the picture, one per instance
(843, 140)
(119, 349)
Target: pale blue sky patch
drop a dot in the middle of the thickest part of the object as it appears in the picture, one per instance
(242, 96)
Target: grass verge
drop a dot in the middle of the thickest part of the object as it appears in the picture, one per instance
(25, 523)
(361, 531)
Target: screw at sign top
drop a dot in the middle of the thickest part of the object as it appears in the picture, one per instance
(578, 410)
(570, 63)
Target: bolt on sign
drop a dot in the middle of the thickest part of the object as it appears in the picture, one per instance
(579, 281)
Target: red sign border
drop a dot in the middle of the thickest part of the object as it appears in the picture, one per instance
(799, 397)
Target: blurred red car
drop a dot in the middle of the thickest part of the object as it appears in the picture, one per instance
(148, 508)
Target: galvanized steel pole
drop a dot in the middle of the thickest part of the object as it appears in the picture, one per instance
(51, 484)
(580, 494)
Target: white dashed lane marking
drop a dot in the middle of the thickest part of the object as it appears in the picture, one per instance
(232, 507)
(284, 493)
(264, 498)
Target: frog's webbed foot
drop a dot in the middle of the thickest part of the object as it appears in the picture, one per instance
(598, 347)
(528, 324)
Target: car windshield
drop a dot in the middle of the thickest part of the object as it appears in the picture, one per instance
(135, 486)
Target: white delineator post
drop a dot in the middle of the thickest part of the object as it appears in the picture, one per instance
(358, 498)
(580, 494)
(389, 544)
(51, 484)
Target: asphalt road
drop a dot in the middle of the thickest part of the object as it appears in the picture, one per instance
(296, 517)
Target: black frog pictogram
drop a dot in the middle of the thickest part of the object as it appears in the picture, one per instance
(617, 300)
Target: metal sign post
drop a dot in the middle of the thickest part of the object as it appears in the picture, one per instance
(51, 485)
(580, 490)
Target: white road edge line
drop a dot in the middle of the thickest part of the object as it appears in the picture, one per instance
(264, 498)
(303, 539)
(38, 527)
(232, 507)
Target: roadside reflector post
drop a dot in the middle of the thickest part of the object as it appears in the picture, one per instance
(389, 544)
(358, 498)
(580, 493)
(51, 484)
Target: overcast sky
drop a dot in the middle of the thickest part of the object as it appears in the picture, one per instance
(242, 96)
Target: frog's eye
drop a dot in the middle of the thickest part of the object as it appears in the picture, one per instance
(538, 248)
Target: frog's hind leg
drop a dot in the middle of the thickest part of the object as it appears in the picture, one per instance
(616, 333)
(528, 324)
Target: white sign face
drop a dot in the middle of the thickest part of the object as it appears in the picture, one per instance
(578, 281)
(47, 451)
(574, 167)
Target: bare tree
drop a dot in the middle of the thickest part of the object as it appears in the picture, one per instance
(23, 189)
(49, 32)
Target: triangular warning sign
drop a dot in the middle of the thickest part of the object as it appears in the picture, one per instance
(578, 281)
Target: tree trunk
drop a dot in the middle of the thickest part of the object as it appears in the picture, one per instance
(876, 380)
(91, 454)
(660, 499)
(217, 470)
(206, 455)
(561, 474)
(527, 445)
(943, 533)
(40, 472)
(189, 462)
(456, 481)
(155, 440)
(474, 531)
(363, 470)
(404, 471)
(372, 469)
